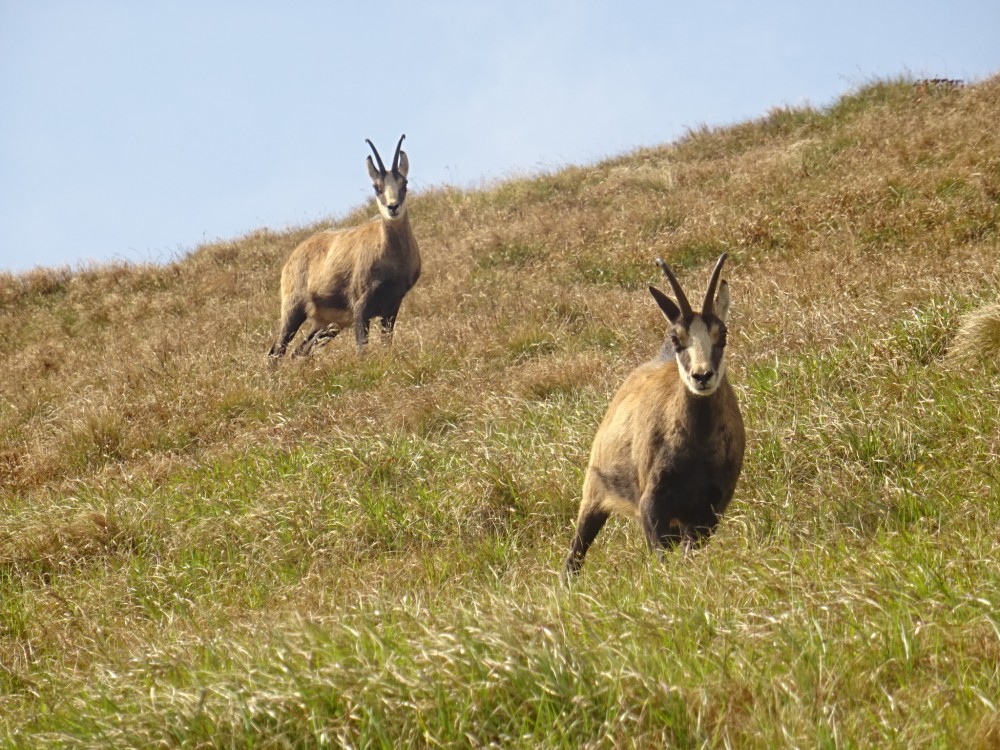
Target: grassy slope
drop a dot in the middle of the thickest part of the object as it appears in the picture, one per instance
(197, 547)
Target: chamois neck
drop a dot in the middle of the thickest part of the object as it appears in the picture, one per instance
(396, 227)
(700, 410)
(397, 231)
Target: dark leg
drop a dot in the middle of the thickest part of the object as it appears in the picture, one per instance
(305, 346)
(325, 336)
(587, 526)
(291, 320)
(361, 333)
(388, 326)
(362, 320)
(314, 339)
(661, 532)
(696, 534)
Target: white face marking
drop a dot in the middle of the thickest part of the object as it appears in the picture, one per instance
(697, 371)
(391, 200)
(390, 188)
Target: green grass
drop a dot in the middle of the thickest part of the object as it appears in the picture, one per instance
(846, 594)
(513, 255)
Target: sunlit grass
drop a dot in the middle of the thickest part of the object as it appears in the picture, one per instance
(200, 548)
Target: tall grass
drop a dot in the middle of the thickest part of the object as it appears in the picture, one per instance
(198, 549)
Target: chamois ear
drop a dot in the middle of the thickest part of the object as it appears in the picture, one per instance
(670, 310)
(373, 171)
(404, 164)
(722, 301)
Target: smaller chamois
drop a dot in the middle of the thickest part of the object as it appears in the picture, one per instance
(339, 278)
(670, 448)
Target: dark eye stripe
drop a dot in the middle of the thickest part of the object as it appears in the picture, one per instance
(717, 354)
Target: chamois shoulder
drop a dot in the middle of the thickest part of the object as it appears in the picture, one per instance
(655, 374)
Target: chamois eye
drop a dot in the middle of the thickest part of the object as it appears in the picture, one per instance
(675, 342)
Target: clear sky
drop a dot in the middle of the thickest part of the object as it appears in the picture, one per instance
(139, 130)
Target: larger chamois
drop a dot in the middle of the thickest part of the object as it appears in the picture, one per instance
(670, 448)
(342, 278)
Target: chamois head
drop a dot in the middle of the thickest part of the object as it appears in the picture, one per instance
(390, 186)
(698, 339)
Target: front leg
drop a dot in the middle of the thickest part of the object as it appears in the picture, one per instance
(362, 321)
(662, 532)
(389, 324)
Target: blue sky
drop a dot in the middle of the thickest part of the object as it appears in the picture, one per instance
(139, 130)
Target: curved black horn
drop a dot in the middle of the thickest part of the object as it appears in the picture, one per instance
(682, 300)
(378, 159)
(709, 305)
(395, 159)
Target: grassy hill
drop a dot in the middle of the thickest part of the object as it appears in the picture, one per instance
(198, 548)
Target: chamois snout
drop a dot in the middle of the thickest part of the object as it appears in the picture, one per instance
(702, 378)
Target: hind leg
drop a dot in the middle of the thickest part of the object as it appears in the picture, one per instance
(388, 326)
(589, 523)
(318, 336)
(292, 319)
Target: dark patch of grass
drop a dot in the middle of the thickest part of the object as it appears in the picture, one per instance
(923, 335)
(626, 274)
(512, 254)
(546, 189)
(791, 120)
(658, 225)
(101, 438)
(531, 342)
(693, 254)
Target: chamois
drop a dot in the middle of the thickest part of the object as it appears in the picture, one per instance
(670, 448)
(340, 278)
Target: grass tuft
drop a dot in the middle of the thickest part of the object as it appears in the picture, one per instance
(978, 336)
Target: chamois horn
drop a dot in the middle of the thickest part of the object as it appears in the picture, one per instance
(709, 305)
(378, 159)
(682, 300)
(395, 159)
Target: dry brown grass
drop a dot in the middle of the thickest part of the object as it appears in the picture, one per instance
(112, 368)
